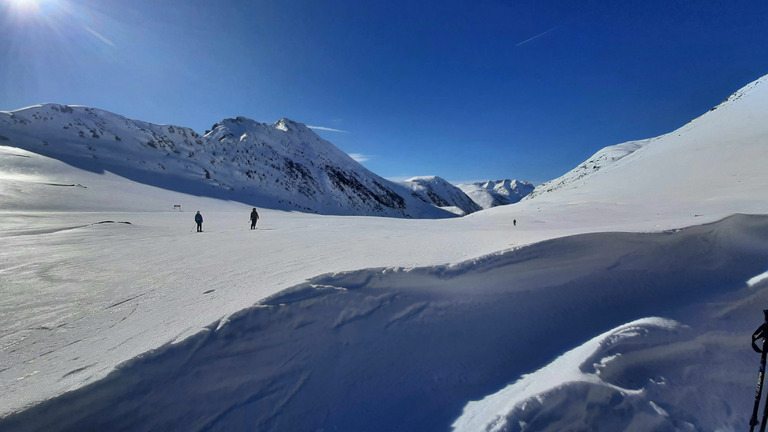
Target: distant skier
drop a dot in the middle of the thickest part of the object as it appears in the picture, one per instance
(514, 222)
(199, 221)
(254, 218)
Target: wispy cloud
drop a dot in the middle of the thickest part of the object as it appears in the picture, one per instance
(99, 36)
(400, 179)
(538, 36)
(359, 157)
(323, 128)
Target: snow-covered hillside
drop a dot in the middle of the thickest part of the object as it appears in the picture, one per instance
(598, 161)
(438, 192)
(495, 193)
(609, 306)
(282, 166)
(725, 145)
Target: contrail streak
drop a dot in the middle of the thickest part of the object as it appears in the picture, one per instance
(538, 36)
(99, 36)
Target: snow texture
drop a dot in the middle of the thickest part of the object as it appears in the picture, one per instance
(624, 300)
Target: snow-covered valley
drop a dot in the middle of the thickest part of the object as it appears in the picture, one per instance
(606, 303)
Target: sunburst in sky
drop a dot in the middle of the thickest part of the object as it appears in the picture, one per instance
(30, 11)
(25, 4)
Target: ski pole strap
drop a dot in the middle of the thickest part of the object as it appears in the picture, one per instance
(758, 334)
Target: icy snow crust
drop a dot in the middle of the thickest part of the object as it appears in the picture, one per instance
(620, 301)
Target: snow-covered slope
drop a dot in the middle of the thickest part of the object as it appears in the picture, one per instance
(714, 155)
(283, 166)
(495, 193)
(438, 192)
(598, 161)
(609, 306)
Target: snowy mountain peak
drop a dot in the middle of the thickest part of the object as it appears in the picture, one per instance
(504, 184)
(243, 127)
(237, 125)
(288, 125)
(48, 112)
(744, 91)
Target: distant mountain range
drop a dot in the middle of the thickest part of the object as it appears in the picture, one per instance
(496, 193)
(284, 165)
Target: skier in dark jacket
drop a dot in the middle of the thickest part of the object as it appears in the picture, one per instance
(254, 218)
(199, 220)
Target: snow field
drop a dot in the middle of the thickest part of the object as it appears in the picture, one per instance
(380, 349)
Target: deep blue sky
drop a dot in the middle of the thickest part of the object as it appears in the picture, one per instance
(467, 90)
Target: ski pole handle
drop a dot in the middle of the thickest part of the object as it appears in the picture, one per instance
(760, 333)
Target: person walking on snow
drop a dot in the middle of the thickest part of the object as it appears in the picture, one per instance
(254, 218)
(199, 221)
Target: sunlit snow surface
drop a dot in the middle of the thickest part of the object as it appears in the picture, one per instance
(619, 302)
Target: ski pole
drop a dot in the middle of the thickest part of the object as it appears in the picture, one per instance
(765, 335)
(758, 334)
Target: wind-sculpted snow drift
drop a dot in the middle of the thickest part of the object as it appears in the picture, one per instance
(407, 349)
(545, 399)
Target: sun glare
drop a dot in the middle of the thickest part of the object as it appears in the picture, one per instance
(23, 3)
(25, 12)
(27, 5)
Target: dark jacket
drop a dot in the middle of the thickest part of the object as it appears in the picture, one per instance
(199, 218)
(254, 215)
